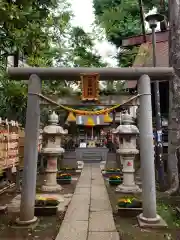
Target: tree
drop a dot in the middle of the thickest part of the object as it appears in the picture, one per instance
(41, 33)
(127, 56)
(121, 19)
(174, 103)
(115, 34)
(13, 97)
(83, 54)
(19, 19)
(30, 29)
(34, 28)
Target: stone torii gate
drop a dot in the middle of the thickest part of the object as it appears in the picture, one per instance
(144, 75)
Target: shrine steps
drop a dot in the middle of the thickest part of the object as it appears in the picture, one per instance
(91, 156)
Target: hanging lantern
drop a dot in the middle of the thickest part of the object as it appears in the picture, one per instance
(71, 117)
(107, 118)
(90, 122)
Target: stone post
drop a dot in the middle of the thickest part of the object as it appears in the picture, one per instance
(127, 149)
(52, 135)
(149, 217)
(30, 153)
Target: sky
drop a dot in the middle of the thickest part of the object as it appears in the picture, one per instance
(84, 17)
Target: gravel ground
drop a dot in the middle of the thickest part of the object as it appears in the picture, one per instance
(46, 228)
(129, 230)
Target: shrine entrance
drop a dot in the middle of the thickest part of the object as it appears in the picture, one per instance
(144, 77)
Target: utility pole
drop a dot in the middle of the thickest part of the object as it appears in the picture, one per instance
(142, 20)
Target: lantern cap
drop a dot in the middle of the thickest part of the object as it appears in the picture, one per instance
(53, 118)
(127, 119)
(53, 128)
(127, 127)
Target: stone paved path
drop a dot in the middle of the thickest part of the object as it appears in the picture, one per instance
(89, 215)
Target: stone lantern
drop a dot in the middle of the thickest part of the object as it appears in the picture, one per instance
(52, 136)
(128, 133)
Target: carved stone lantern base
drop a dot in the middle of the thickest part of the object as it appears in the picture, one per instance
(53, 188)
(50, 182)
(128, 189)
(128, 185)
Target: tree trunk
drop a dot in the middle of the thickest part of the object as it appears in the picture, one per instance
(174, 95)
(16, 58)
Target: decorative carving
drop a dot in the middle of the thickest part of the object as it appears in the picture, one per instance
(90, 87)
(52, 139)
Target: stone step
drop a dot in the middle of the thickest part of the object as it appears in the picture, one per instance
(69, 155)
(138, 178)
(91, 154)
(92, 160)
(91, 157)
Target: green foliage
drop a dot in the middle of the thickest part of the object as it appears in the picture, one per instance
(168, 213)
(21, 25)
(13, 97)
(121, 19)
(82, 49)
(26, 28)
(40, 31)
(113, 88)
(127, 56)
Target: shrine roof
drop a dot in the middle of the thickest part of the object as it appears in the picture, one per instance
(144, 58)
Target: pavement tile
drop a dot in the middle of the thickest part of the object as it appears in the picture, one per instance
(101, 221)
(85, 181)
(99, 192)
(83, 185)
(78, 214)
(78, 210)
(74, 230)
(103, 236)
(81, 198)
(100, 205)
(82, 191)
(89, 214)
(97, 182)
(85, 176)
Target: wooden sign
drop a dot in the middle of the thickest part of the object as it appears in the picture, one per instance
(90, 87)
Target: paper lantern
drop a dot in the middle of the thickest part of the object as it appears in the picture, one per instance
(90, 122)
(107, 118)
(71, 117)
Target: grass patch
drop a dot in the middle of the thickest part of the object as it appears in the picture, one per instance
(168, 213)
